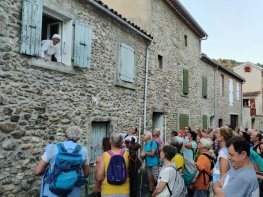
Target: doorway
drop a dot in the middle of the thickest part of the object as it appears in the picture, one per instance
(158, 120)
(233, 121)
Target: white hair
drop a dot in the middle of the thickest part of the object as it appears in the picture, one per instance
(73, 133)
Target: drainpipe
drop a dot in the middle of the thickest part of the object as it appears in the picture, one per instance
(146, 87)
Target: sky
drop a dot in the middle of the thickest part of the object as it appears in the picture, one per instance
(234, 28)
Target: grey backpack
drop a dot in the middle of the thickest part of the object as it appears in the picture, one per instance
(179, 188)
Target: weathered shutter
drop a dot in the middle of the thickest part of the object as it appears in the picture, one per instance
(231, 89)
(185, 81)
(83, 45)
(183, 121)
(204, 86)
(204, 120)
(127, 67)
(32, 11)
(99, 131)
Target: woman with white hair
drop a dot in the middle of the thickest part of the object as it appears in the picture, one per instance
(72, 135)
(107, 189)
(204, 164)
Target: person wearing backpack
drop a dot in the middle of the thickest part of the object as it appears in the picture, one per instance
(190, 147)
(205, 163)
(150, 154)
(113, 170)
(178, 159)
(256, 138)
(170, 181)
(58, 179)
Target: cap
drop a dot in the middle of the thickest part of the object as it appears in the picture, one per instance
(56, 36)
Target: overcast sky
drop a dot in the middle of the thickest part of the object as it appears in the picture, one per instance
(234, 28)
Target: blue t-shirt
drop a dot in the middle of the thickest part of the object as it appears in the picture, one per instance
(49, 157)
(241, 183)
(151, 160)
(188, 152)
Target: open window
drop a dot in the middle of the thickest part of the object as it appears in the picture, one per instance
(40, 22)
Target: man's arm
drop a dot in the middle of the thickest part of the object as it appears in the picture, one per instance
(86, 170)
(41, 167)
(159, 188)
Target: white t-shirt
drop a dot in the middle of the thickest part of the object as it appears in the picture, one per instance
(129, 138)
(167, 175)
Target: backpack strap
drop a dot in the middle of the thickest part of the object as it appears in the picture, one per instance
(61, 148)
(111, 153)
(77, 149)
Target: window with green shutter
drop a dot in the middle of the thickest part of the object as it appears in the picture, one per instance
(183, 121)
(204, 86)
(185, 81)
(204, 121)
(127, 63)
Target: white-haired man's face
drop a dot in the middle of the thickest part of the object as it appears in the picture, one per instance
(147, 136)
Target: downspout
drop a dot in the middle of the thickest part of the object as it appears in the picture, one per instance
(146, 87)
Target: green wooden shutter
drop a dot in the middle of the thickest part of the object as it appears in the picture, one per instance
(127, 67)
(183, 121)
(204, 120)
(185, 81)
(32, 11)
(83, 45)
(204, 86)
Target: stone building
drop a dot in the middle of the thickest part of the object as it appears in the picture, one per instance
(252, 95)
(99, 85)
(183, 87)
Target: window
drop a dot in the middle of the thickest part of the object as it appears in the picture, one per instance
(247, 69)
(231, 91)
(185, 40)
(185, 81)
(183, 121)
(204, 86)
(222, 87)
(40, 23)
(160, 62)
(245, 103)
(204, 121)
(127, 63)
(238, 91)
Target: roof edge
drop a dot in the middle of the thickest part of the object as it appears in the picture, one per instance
(114, 14)
(186, 17)
(206, 59)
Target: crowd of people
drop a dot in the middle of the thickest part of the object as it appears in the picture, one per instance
(192, 163)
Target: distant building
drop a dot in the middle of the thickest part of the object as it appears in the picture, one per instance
(252, 95)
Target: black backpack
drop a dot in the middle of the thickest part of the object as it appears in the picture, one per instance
(258, 146)
(212, 162)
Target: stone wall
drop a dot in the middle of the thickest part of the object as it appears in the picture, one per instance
(38, 104)
(166, 85)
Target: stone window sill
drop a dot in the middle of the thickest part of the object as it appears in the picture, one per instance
(57, 66)
(124, 84)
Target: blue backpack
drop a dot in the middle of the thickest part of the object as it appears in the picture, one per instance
(116, 172)
(67, 171)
